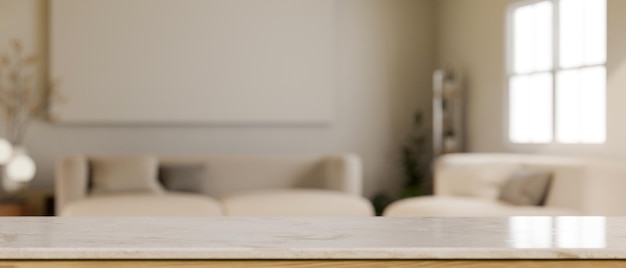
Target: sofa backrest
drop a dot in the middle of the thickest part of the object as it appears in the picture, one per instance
(228, 174)
(472, 175)
(594, 187)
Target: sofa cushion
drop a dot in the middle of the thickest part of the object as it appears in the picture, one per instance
(526, 187)
(144, 205)
(447, 206)
(183, 177)
(124, 174)
(286, 203)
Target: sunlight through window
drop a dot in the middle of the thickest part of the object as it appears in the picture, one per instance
(558, 95)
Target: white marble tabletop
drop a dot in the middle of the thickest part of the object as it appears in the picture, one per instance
(313, 238)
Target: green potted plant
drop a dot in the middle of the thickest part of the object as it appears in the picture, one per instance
(415, 155)
(415, 158)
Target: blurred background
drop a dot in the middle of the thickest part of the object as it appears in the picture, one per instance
(395, 84)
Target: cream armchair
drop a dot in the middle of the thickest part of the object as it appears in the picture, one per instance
(269, 185)
(468, 185)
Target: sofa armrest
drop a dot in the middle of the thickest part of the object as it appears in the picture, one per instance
(602, 189)
(71, 179)
(344, 173)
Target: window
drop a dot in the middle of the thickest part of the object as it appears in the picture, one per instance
(557, 72)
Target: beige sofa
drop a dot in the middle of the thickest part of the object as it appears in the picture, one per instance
(232, 186)
(468, 185)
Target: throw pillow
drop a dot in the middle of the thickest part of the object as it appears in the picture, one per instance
(526, 187)
(124, 174)
(183, 178)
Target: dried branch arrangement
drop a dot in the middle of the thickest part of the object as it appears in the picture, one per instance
(21, 100)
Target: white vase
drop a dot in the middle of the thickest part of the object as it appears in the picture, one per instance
(20, 167)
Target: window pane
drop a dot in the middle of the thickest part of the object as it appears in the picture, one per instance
(532, 38)
(520, 117)
(571, 33)
(541, 108)
(543, 36)
(531, 108)
(581, 106)
(523, 31)
(593, 108)
(568, 106)
(595, 32)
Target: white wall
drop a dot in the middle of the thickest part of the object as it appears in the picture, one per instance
(471, 36)
(206, 61)
(385, 59)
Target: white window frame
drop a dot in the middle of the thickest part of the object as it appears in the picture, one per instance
(556, 68)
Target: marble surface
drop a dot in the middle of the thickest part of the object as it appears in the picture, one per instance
(313, 238)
